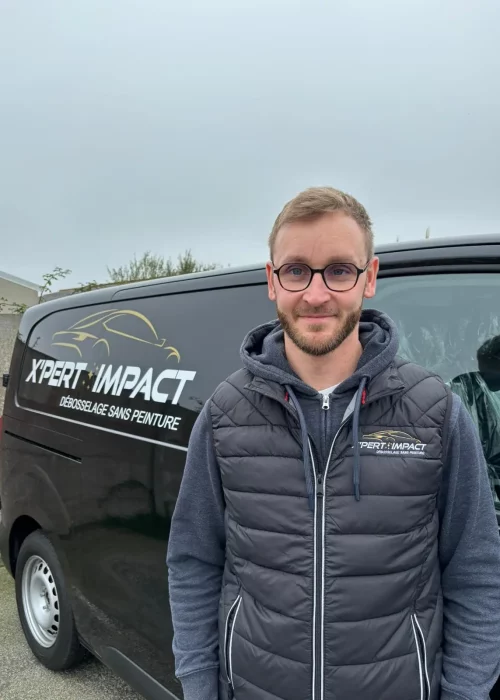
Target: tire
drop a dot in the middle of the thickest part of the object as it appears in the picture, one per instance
(44, 606)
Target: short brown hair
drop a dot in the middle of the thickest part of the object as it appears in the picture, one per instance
(316, 201)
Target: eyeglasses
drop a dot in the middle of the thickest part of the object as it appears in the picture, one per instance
(338, 277)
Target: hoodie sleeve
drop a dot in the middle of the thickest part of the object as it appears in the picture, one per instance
(470, 566)
(195, 561)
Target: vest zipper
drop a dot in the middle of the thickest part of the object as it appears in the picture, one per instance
(317, 595)
(319, 507)
(228, 639)
(425, 686)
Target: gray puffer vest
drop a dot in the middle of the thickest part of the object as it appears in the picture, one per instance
(341, 601)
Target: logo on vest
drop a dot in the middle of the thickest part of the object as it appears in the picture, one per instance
(392, 442)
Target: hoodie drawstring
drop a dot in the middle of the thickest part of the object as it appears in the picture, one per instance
(360, 399)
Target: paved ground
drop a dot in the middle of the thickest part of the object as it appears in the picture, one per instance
(22, 677)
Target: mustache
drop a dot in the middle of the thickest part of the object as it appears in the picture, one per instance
(315, 311)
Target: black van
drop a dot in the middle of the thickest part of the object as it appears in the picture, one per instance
(102, 394)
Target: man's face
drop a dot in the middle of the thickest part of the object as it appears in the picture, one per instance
(492, 380)
(317, 320)
(490, 372)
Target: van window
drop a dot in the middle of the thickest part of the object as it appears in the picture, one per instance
(143, 367)
(450, 324)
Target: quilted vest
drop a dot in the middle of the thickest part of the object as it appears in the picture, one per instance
(341, 601)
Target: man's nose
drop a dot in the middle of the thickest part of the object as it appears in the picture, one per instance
(317, 293)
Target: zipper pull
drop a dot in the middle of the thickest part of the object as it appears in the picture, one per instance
(326, 402)
(319, 486)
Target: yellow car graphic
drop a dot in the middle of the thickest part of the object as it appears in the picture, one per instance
(392, 436)
(102, 329)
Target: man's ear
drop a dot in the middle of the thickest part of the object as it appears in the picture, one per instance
(371, 279)
(270, 281)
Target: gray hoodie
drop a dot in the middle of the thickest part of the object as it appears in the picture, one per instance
(469, 542)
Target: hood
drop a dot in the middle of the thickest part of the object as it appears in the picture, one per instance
(263, 353)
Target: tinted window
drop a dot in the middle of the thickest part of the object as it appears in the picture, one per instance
(144, 367)
(451, 325)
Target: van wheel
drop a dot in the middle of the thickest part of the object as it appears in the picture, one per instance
(43, 605)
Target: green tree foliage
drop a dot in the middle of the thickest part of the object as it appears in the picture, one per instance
(13, 308)
(49, 278)
(151, 266)
(87, 287)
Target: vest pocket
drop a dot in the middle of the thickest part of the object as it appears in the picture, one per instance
(228, 638)
(425, 686)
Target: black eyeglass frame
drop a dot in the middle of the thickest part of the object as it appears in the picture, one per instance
(321, 271)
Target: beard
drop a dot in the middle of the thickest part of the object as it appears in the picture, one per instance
(348, 324)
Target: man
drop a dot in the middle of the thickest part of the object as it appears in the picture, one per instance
(480, 393)
(334, 536)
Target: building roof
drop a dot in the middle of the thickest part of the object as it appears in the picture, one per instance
(19, 281)
(57, 295)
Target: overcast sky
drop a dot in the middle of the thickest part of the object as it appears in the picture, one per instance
(133, 125)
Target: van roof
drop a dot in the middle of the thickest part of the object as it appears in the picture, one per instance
(106, 294)
(442, 242)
